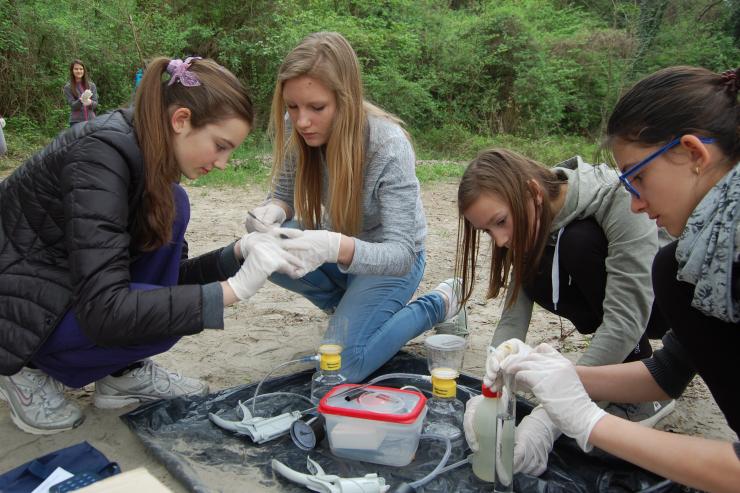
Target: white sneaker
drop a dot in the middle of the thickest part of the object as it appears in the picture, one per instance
(149, 382)
(37, 403)
(456, 317)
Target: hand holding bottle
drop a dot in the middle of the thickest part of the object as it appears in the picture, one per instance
(553, 379)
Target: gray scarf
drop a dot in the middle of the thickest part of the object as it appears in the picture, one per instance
(709, 246)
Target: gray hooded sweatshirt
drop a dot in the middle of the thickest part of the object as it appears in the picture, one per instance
(594, 191)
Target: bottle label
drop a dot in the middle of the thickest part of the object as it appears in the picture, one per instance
(442, 387)
(331, 362)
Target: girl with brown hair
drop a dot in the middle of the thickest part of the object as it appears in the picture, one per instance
(675, 137)
(81, 94)
(94, 274)
(345, 170)
(563, 238)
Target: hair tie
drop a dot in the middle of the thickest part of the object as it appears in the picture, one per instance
(731, 80)
(178, 71)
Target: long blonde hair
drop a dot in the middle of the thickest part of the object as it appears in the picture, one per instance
(219, 96)
(329, 58)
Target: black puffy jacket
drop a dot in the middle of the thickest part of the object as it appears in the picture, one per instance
(65, 222)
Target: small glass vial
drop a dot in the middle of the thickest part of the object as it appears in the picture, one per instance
(504, 473)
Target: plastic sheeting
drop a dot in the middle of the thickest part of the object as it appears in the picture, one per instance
(206, 458)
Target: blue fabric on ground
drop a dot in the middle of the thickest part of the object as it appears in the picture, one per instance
(76, 459)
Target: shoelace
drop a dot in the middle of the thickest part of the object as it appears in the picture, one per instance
(51, 391)
(149, 370)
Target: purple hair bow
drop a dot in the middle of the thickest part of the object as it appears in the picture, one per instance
(178, 71)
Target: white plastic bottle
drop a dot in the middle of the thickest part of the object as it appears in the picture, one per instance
(484, 427)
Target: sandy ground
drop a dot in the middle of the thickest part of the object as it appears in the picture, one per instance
(275, 325)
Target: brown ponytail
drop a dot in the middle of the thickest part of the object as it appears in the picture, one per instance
(219, 96)
(680, 100)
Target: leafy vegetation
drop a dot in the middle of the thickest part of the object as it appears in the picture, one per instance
(537, 75)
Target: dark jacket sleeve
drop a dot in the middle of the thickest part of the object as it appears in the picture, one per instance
(670, 366)
(94, 97)
(74, 103)
(217, 265)
(95, 187)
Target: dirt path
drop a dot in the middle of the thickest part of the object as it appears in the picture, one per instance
(275, 324)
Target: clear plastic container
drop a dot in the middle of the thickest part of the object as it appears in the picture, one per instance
(377, 424)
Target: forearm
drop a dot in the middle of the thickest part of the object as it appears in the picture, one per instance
(697, 462)
(624, 382)
(229, 294)
(346, 250)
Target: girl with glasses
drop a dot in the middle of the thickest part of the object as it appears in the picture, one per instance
(676, 136)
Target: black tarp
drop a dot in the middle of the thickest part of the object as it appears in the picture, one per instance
(206, 458)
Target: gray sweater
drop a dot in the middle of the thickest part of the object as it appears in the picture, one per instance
(593, 191)
(393, 220)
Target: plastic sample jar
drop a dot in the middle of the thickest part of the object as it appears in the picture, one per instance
(376, 424)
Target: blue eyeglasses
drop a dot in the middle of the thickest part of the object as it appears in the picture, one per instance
(624, 177)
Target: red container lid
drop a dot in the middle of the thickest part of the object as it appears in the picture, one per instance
(374, 403)
(487, 392)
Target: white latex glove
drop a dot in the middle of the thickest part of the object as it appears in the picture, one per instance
(250, 240)
(265, 217)
(265, 257)
(492, 378)
(553, 379)
(2, 122)
(314, 247)
(470, 407)
(535, 437)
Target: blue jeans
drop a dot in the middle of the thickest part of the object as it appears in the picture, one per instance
(72, 358)
(380, 320)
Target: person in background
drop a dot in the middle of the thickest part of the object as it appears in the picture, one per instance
(81, 94)
(94, 271)
(675, 137)
(345, 169)
(3, 145)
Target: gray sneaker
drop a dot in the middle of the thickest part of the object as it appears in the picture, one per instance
(148, 382)
(457, 325)
(645, 413)
(37, 403)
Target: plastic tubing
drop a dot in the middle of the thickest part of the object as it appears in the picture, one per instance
(455, 465)
(389, 376)
(438, 469)
(305, 359)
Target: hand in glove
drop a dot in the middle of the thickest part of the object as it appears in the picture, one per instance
(2, 122)
(265, 217)
(496, 356)
(314, 247)
(250, 240)
(534, 438)
(553, 379)
(85, 97)
(470, 408)
(264, 257)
